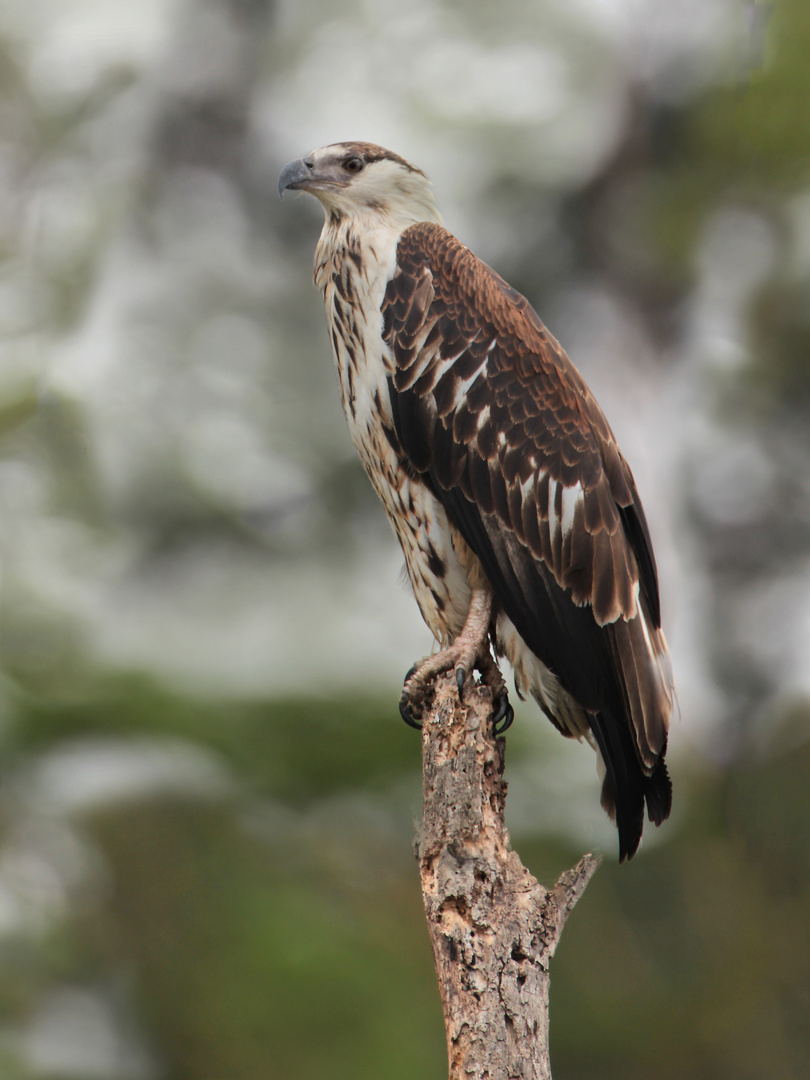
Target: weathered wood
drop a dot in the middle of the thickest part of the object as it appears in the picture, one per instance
(492, 925)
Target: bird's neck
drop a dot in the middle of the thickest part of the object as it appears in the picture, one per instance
(354, 254)
(353, 265)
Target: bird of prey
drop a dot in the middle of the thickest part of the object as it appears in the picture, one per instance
(518, 517)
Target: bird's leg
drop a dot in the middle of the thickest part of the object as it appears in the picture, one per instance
(468, 651)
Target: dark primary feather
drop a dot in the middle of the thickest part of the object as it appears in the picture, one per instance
(488, 407)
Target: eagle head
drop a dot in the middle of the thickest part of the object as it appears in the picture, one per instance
(359, 179)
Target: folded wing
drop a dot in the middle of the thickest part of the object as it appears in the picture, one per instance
(491, 412)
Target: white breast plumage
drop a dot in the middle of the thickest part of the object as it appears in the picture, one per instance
(352, 275)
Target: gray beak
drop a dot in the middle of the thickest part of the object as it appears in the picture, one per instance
(294, 175)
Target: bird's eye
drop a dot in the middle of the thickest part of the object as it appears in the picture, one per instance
(354, 164)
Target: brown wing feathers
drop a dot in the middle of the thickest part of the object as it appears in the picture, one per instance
(488, 406)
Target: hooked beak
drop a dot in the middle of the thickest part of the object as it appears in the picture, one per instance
(295, 175)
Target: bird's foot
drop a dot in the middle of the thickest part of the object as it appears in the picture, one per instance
(464, 657)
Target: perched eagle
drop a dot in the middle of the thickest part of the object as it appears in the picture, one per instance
(517, 514)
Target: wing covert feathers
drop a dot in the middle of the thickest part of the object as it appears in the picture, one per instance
(489, 408)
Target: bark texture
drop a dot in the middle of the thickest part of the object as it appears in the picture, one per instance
(493, 926)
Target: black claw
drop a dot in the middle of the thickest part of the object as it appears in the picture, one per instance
(505, 714)
(461, 675)
(405, 711)
(404, 704)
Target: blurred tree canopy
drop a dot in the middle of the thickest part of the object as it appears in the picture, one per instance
(206, 797)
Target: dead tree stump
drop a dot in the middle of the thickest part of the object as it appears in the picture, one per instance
(493, 926)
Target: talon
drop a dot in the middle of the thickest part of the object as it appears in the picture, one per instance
(502, 720)
(461, 675)
(409, 674)
(405, 711)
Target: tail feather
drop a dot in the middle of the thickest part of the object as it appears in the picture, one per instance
(626, 788)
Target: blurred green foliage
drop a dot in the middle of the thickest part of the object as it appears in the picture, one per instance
(275, 927)
(206, 797)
